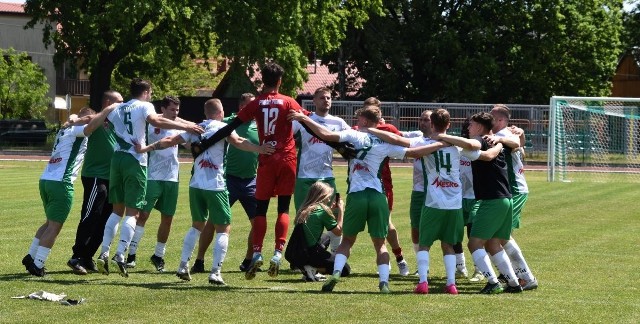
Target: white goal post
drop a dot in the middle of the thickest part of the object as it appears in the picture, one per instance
(594, 139)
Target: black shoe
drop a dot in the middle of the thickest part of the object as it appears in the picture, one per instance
(131, 261)
(158, 262)
(27, 261)
(88, 264)
(513, 290)
(76, 267)
(198, 266)
(122, 267)
(244, 266)
(490, 288)
(35, 271)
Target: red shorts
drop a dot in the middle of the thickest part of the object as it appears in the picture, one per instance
(277, 178)
(387, 184)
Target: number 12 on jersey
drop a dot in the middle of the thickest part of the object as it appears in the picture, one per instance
(269, 116)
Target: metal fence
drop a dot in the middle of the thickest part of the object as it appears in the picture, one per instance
(534, 119)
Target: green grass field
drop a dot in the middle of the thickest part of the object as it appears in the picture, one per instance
(580, 240)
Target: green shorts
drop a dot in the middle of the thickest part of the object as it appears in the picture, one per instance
(518, 205)
(205, 203)
(127, 181)
(367, 207)
(302, 188)
(415, 208)
(493, 219)
(441, 224)
(469, 209)
(57, 197)
(161, 195)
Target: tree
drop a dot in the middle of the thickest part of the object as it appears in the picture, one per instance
(23, 87)
(631, 33)
(486, 51)
(100, 34)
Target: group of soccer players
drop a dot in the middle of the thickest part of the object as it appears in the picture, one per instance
(131, 167)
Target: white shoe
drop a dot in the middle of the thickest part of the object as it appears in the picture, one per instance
(403, 268)
(183, 273)
(461, 274)
(216, 279)
(477, 276)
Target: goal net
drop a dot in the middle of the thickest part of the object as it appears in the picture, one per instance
(594, 139)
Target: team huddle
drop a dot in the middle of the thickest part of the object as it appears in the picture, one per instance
(131, 166)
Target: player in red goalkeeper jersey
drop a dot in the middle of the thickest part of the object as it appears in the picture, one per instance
(276, 174)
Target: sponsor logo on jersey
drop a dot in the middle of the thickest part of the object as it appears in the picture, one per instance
(207, 164)
(521, 171)
(465, 163)
(271, 143)
(444, 183)
(267, 102)
(156, 130)
(314, 140)
(55, 160)
(360, 167)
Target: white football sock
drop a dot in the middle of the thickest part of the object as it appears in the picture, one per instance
(383, 272)
(460, 262)
(334, 242)
(423, 265)
(33, 249)
(188, 245)
(219, 251)
(160, 249)
(137, 236)
(483, 264)
(450, 268)
(126, 234)
(504, 266)
(41, 256)
(110, 230)
(339, 262)
(518, 262)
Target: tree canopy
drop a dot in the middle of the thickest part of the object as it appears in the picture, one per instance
(520, 51)
(100, 34)
(23, 87)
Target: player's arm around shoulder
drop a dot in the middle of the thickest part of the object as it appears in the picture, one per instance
(322, 132)
(388, 137)
(491, 153)
(420, 151)
(161, 144)
(98, 119)
(465, 143)
(246, 145)
(159, 121)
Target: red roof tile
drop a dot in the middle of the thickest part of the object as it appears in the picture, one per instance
(319, 76)
(11, 7)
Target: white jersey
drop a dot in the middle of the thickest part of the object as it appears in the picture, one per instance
(515, 167)
(364, 170)
(163, 164)
(443, 187)
(418, 170)
(412, 134)
(130, 126)
(466, 178)
(315, 158)
(68, 153)
(208, 168)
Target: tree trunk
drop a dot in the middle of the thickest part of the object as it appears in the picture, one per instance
(100, 81)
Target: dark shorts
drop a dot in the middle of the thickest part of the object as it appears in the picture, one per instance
(243, 190)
